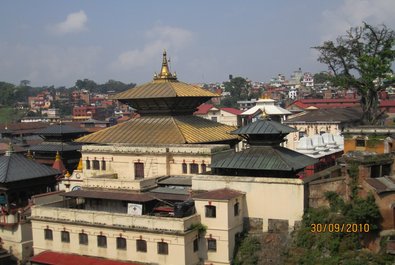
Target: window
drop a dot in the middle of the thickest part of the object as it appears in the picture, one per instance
(194, 168)
(184, 168)
(214, 119)
(83, 238)
(48, 234)
(121, 243)
(302, 134)
(141, 245)
(196, 245)
(203, 167)
(163, 248)
(103, 165)
(236, 208)
(102, 241)
(210, 211)
(65, 237)
(88, 164)
(138, 170)
(211, 244)
(360, 142)
(96, 164)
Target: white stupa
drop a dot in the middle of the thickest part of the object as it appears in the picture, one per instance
(329, 140)
(305, 146)
(318, 143)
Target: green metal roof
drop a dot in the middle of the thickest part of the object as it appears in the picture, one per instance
(264, 127)
(15, 167)
(274, 158)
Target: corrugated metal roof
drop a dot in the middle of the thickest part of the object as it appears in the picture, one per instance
(262, 126)
(54, 147)
(162, 130)
(275, 158)
(199, 130)
(328, 115)
(382, 184)
(60, 129)
(164, 89)
(220, 194)
(15, 167)
(176, 181)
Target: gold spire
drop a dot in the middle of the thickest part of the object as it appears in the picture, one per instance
(29, 154)
(67, 175)
(57, 157)
(165, 71)
(79, 167)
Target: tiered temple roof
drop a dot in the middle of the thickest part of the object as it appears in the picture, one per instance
(166, 106)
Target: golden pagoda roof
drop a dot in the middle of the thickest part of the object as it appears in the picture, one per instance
(163, 130)
(164, 85)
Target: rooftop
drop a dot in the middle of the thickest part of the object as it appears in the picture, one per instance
(163, 130)
(55, 258)
(382, 184)
(264, 158)
(328, 115)
(220, 194)
(15, 167)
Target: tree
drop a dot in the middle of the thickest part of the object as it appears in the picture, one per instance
(87, 84)
(320, 78)
(238, 88)
(6, 93)
(362, 59)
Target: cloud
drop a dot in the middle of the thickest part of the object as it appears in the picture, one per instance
(352, 13)
(48, 64)
(75, 22)
(159, 38)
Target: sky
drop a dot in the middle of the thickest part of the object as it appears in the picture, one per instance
(58, 42)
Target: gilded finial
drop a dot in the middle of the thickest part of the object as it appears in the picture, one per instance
(165, 71)
(79, 167)
(264, 115)
(29, 154)
(57, 157)
(67, 175)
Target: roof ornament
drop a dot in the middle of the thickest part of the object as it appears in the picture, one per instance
(10, 149)
(264, 115)
(79, 167)
(57, 157)
(29, 154)
(165, 73)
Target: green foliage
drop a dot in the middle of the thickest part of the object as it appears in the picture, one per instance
(110, 85)
(246, 254)
(362, 59)
(238, 87)
(200, 227)
(8, 114)
(320, 78)
(353, 172)
(6, 93)
(337, 247)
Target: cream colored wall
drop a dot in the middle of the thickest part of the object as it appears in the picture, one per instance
(180, 247)
(228, 118)
(158, 161)
(222, 228)
(153, 223)
(18, 240)
(310, 129)
(266, 198)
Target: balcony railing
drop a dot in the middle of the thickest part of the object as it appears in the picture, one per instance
(140, 222)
